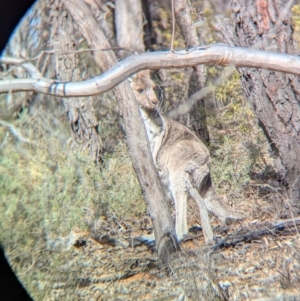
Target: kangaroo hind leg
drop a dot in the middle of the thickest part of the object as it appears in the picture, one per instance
(180, 197)
(205, 221)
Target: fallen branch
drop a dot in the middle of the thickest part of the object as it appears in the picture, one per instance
(269, 229)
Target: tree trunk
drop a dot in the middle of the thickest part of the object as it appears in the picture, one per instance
(274, 96)
(129, 26)
(80, 111)
(149, 34)
(28, 41)
(196, 118)
(165, 237)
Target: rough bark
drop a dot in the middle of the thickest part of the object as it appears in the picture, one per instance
(149, 34)
(166, 242)
(129, 26)
(80, 111)
(275, 97)
(61, 66)
(196, 118)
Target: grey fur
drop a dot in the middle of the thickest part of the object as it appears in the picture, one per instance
(178, 154)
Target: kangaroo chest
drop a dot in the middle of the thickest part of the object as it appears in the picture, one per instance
(155, 132)
(155, 135)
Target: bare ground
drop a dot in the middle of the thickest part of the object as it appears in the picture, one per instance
(264, 267)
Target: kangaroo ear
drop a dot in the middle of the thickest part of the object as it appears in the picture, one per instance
(134, 76)
(144, 73)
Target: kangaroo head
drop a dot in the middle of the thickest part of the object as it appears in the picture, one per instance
(142, 87)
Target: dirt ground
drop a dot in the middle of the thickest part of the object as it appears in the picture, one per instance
(258, 260)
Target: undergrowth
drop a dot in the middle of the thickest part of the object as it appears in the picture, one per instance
(237, 144)
(46, 190)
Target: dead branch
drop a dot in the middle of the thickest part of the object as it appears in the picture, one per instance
(218, 54)
(283, 227)
(31, 69)
(173, 25)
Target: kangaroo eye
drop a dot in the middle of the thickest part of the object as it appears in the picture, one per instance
(140, 91)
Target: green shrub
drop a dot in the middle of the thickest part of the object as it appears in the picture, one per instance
(46, 190)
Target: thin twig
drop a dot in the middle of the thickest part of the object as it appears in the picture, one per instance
(34, 72)
(83, 50)
(173, 26)
(28, 67)
(14, 131)
(188, 105)
(4, 140)
(140, 33)
(6, 73)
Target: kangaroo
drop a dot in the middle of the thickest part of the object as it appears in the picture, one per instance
(181, 159)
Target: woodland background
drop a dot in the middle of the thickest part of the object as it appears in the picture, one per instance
(70, 197)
